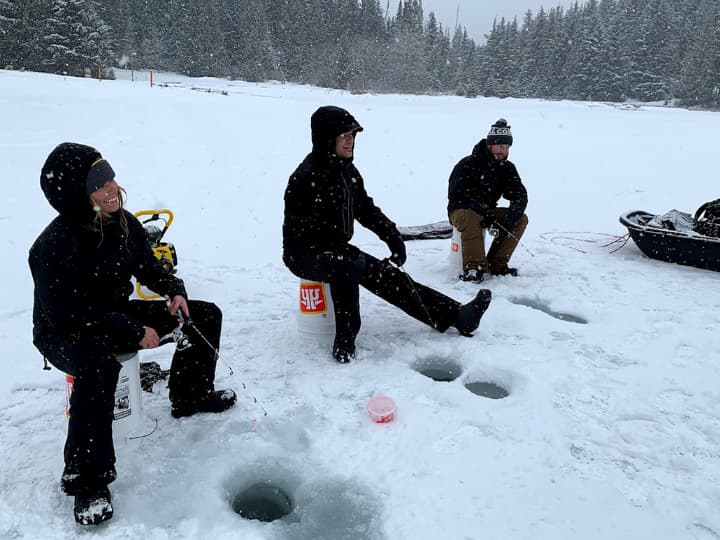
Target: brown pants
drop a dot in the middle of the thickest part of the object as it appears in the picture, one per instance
(472, 234)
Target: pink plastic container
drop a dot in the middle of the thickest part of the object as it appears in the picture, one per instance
(381, 409)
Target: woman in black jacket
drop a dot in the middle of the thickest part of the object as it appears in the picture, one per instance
(324, 197)
(82, 264)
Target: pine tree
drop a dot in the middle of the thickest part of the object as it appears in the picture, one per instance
(26, 25)
(408, 63)
(78, 42)
(436, 53)
(700, 83)
(246, 41)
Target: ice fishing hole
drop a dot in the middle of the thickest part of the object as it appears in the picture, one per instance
(540, 306)
(263, 501)
(487, 389)
(439, 369)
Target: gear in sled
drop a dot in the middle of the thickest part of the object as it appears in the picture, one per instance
(156, 225)
(678, 237)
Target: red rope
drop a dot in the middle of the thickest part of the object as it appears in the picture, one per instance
(602, 240)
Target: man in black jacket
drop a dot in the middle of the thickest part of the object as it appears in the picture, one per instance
(476, 184)
(81, 265)
(324, 197)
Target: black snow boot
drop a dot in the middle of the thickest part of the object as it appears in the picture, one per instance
(343, 349)
(217, 402)
(504, 271)
(469, 316)
(475, 275)
(93, 506)
(343, 355)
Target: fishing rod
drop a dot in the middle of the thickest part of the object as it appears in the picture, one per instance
(181, 339)
(496, 228)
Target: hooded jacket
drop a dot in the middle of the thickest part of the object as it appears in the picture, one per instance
(326, 194)
(478, 182)
(82, 269)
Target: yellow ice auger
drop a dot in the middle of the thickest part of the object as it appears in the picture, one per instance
(164, 251)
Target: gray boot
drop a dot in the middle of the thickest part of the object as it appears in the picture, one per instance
(468, 318)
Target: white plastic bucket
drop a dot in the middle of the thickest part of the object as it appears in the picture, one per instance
(456, 260)
(316, 315)
(128, 419)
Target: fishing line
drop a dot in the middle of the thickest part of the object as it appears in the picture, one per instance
(604, 240)
(189, 322)
(494, 232)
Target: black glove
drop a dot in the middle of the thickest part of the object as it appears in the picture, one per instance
(398, 254)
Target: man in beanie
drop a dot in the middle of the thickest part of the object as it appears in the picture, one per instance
(81, 265)
(324, 197)
(476, 185)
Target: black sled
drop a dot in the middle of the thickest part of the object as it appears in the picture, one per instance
(673, 237)
(431, 231)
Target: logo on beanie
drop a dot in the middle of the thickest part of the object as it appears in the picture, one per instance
(500, 133)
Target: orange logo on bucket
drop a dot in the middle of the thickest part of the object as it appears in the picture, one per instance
(454, 247)
(312, 298)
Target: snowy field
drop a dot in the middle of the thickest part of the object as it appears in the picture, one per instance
(611, 429)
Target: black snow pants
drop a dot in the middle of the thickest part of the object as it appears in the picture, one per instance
(89, 451)
(347, 269)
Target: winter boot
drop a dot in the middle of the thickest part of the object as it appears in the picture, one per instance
(469, 316)
(475, 275)
(93, 506)
(343, 354)
(343, 349)
(217, 402)
(504, 270)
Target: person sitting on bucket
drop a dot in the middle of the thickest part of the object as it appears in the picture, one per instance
(476, 184)
(81, 266)
(323, 198)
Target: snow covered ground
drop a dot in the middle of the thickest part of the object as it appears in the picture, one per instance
(611, 429)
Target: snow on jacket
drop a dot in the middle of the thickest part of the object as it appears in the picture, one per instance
(478, 182)
(326, 194)
(82, 270)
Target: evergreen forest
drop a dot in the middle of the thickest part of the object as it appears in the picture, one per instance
(608, 50)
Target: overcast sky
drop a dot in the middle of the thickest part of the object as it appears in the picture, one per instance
(477, 15)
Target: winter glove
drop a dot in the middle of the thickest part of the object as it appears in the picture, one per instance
(398, 254)
(479, 208)
(489, 222)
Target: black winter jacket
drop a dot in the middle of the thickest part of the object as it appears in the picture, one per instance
(82, 271)
(326, 194)
(478, 182)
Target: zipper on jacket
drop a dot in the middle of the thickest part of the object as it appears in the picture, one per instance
(346, 210)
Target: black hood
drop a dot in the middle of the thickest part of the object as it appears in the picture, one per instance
(480, 150)
(63, 180)
(327, 123)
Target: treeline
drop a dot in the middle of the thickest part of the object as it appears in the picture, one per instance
(611, 50)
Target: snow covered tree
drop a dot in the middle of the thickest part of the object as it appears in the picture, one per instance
(25, 27)
(437, 50)
(700, 84)
(78, 42)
